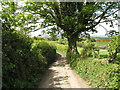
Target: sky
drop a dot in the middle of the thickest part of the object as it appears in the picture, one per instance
(99, 28)
(102, 31)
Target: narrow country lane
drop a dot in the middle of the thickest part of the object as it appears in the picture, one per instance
(60, 75)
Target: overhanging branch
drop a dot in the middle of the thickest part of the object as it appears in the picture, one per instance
(34, 30)
(101, 17)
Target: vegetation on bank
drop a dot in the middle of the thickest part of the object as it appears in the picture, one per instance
(24, 60)
(97, 72)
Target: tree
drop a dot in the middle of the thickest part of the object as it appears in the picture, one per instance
(7, 15)
(13, 17)
(111, 33)
(73, 17)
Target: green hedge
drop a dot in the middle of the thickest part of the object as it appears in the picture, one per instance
(47, 50)
(96, 72)
(60, 48)
(22, 64)
(62, 41)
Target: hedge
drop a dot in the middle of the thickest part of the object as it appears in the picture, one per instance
(97, 73)
(22, 64)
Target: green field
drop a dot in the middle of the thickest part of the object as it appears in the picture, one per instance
(63, 48)
(101, 43)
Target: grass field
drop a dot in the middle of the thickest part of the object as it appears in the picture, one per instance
(103, 52)
(101, 43)
(63, 48)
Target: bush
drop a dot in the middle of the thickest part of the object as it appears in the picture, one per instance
(80, 44)
(62, 49)
(88, 50)
(22, 65)
(48, 51)
(62, 41)
(53, 37)
(114, 48)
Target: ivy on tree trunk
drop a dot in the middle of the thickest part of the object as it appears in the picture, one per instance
(72, 44)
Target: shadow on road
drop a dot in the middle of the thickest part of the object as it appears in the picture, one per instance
(50, 78)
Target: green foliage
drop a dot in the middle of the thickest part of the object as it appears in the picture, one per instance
(48, 51)
(22, 64)
(14, 19)
(53, 34)
(112, 32)
(71, 56)
(53, 37)
(62, 41)
(88, 49)
(36, 38)
(80, 44)
(96, 72)
(82, 40)
(114, 48)
(62, 49)
(92, 39)
(94, 49)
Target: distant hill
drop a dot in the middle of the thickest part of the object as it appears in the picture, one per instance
(100, 37)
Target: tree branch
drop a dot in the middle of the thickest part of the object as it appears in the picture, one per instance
(101, 17)
(31, 23)
(34, 30)
(40, 28)
(111, 14)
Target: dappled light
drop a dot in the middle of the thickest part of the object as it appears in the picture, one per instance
(63, 52)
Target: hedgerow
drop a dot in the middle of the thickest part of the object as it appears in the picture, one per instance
(114, 48)
(22, 64)
(97, 73)
(62, 49)
(48, 51)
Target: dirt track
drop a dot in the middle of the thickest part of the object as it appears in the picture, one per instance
(60, 75)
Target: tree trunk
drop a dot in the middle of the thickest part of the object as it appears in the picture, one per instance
(72, 45)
